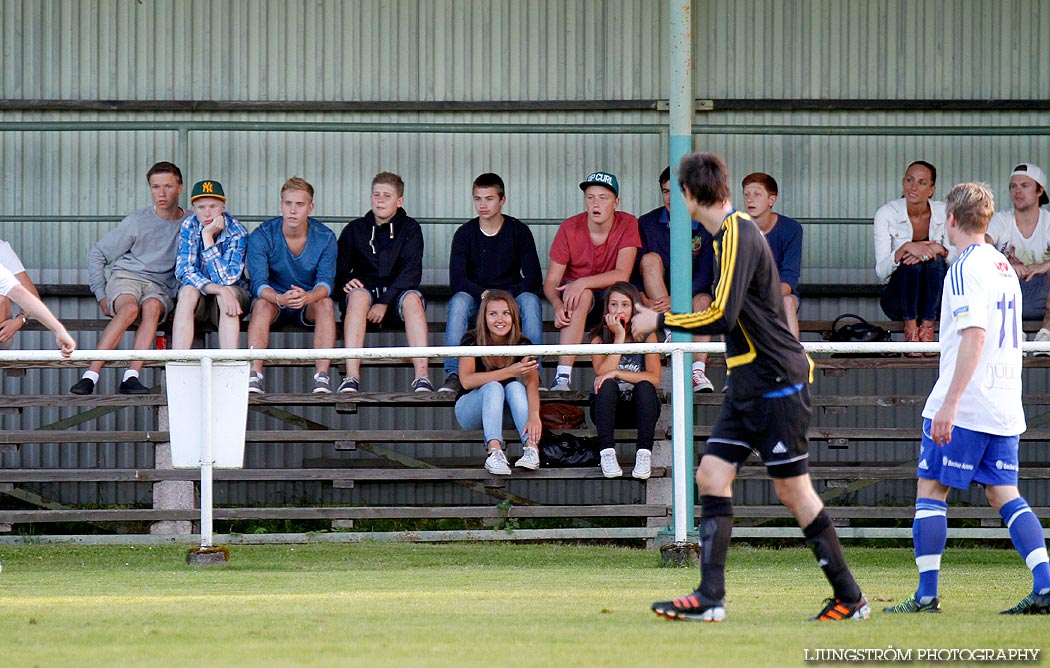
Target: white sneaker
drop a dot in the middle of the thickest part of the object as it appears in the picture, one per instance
(561, 384)
(701, 383)
(496, 463)
(1042, 335)
(530, 458)
(610, 467)
(643, 465)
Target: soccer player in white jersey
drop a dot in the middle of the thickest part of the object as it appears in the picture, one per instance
(974, 416)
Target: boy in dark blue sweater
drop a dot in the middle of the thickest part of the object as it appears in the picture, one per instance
(490, 252)
(381, 265)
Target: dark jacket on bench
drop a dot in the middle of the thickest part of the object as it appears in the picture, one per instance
(386, 256)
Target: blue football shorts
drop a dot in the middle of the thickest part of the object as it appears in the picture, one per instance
(970, 457)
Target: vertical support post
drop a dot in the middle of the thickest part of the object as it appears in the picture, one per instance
(681, 142)
(682, 450)
(182, 149)
(207, 454)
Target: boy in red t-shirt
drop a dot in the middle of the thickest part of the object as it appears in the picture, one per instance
(591, 251)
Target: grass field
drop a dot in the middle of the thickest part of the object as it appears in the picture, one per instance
(471, 605)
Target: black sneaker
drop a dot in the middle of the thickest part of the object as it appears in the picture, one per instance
(83, 386)
(693, 607)
(1033, 604)
(913, 605)
(132, 386)
(836, 610)
(451, 384)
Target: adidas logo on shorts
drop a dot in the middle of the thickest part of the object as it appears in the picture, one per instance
(922, 465)
(780, 448)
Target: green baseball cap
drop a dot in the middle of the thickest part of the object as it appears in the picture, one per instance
(604, 179)
(207, 189)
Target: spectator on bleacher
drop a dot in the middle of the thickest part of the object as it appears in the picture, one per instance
(12, 289)
(210, 268)
(491, 252)
(652, 275)
(911, 253)
(784, 235)
(591, 251)
(381, 265)
(11, 324)
(1022, 234)
(139, 255)
(624, 392)
(291, 264)
(495, 386)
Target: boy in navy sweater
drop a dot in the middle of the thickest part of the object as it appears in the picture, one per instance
(491, 252)
(381, 265)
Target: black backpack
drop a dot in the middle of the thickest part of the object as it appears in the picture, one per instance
(860, 331)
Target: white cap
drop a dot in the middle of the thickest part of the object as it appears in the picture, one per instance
(1036, 174)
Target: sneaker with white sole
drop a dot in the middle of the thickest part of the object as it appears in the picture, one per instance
(496, 463)
(322, 384)
(349, 384)
(701, 383)
(643, 465)
(422, 384)
(451, 384)
(561, 384)
(1042, 335)
(610, 467)
(530, 459)
(255, 383)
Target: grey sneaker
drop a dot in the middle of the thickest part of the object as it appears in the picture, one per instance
(322, 384)
(451, 384)
(422, 384)
(643, 465)
(561, 384)
(610, 467)
(349, 384)
(496, 463)
(255, 383)
(530, 459)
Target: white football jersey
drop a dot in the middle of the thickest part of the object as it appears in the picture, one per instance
(981, 290)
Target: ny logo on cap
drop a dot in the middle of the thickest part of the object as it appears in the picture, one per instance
(207, 187)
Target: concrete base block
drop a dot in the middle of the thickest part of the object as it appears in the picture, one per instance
(342, 524)
(211, 556)
(680, 555)
(171, 494)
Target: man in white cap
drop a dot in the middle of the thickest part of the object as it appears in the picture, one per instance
(1022, 234)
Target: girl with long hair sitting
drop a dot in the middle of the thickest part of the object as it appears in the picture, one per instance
(624, 385)
(493, 386)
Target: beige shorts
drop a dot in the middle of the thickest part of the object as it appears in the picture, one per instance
(139, 288)
(207, 309)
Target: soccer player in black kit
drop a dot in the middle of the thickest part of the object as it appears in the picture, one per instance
(767, 406)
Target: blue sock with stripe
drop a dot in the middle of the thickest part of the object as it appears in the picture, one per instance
(929, 532)
(1027, 536)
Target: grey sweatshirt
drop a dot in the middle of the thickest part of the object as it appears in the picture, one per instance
(142, 245)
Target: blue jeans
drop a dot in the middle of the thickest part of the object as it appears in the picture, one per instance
(914, 291)
(463, 311)
(485, 407)
(1033, 298)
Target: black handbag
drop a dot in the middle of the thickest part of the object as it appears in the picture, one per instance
(860, 331)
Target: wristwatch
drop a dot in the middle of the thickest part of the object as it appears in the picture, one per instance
(25, 318)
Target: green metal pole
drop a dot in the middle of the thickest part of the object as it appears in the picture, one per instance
(680, 144)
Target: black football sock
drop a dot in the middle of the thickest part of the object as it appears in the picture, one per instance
(716, 527)
(822, 539)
